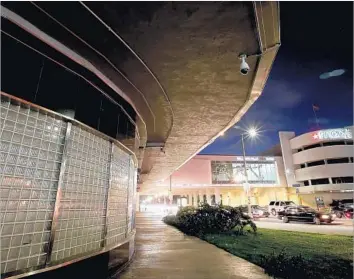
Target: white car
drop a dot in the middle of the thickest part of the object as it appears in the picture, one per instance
(275, 206)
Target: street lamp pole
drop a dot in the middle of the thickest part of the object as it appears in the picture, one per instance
(248, 188)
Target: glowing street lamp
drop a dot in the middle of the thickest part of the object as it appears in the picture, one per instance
(252, 133)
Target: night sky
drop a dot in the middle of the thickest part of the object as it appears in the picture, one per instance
(316, 38)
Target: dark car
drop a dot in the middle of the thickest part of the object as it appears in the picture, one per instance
(348, 213)
(304, 214)
(343, 210)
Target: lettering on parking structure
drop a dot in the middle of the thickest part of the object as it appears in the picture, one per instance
(344, 133)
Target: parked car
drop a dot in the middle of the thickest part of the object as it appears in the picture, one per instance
(347, 212)
(341, 209)
(304, 214)
(275, 206)
(257, 211)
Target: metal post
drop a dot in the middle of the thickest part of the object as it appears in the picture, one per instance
(58, 195)
(127, 212)
(105, 229)
(248, 188)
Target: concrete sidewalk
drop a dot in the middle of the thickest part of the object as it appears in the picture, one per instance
(163, 252)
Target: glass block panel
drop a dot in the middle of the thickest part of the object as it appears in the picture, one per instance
(84, 193)
(23, 200)
(118, 197)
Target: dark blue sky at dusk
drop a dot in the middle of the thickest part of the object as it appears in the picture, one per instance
(316, 38)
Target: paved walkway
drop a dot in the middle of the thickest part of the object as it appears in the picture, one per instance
(162, 252)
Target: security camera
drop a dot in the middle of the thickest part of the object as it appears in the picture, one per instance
(244, 67)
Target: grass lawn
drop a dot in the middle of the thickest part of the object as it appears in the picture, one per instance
(331, 252)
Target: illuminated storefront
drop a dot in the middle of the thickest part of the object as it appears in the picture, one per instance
(260, 170)
(220, 179)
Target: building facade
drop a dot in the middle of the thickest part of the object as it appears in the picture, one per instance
(220, 179)
(319, 165)
(311, 169)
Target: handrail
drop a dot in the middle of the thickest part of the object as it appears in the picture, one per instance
(74, 121)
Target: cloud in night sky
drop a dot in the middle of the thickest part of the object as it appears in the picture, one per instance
(334, 73)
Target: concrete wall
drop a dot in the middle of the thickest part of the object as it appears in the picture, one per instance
(322, 153)
(287, 156)
(325, 171)
(195, 171)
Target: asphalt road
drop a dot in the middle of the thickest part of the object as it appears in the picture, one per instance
(339, 227)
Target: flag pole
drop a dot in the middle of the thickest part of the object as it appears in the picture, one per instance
(314, 112)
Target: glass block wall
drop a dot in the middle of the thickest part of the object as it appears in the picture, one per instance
(118, 197)
(31, 146)
(65, 191)
(85, 185)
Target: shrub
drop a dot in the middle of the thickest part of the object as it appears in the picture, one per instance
(170, 220)
(210, 219)
(293, 267)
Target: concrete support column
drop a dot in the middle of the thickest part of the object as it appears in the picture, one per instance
(189, 199)
(201, 196)
(208, 196)
(229, 198)
(195, 198)
(217, 195)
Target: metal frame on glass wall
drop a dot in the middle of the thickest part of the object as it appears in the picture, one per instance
(104, 236)
(49, 263)
(58, 196)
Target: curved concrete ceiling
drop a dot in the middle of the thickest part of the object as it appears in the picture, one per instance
(180, 69)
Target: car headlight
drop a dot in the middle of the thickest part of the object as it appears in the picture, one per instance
(325, 216)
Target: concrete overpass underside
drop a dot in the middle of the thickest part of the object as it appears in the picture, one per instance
(176, 64)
